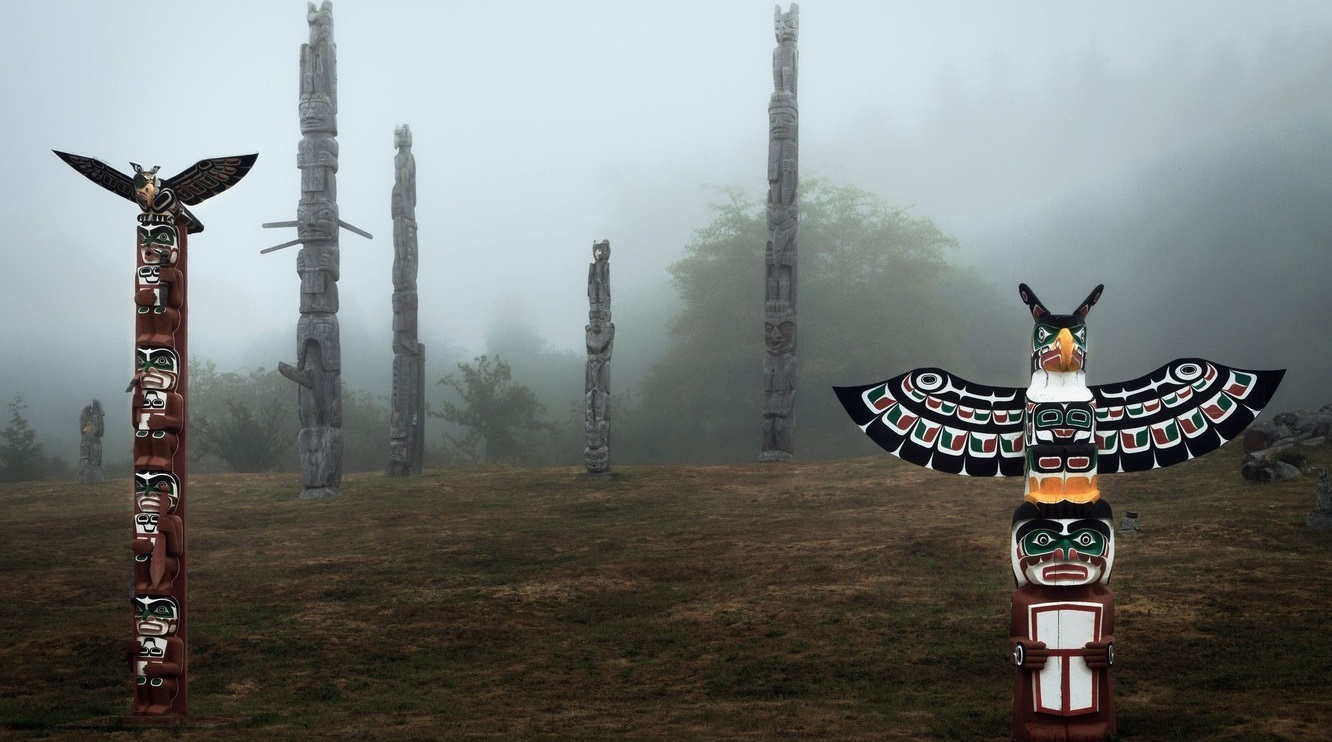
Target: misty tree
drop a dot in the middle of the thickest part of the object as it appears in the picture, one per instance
(503, 418)
(245, 420)
(873, 303)
(248, 438)
(21, 458)
(248, 421)
(556, 378)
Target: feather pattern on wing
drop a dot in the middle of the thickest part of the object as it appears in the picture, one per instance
(100, 173)
(1177, 412)
(207, 178)
(934, 419)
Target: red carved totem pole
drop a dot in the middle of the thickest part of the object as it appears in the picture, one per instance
(159, 657)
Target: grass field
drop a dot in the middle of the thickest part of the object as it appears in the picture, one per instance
(861, 599)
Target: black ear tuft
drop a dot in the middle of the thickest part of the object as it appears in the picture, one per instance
(1033, 303)
(1090, 301)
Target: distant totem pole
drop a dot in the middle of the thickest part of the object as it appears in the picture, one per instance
(600, 343)
(1057, 434)
(160, 386)
(779, 308)
(407, 419)
(318, 369)
(91, 429)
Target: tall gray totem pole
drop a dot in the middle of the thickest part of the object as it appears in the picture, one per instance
(407, 419)
(318, 369)
(600, 342)
(779, 307)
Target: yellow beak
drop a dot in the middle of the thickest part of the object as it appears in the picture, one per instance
(1065, 342)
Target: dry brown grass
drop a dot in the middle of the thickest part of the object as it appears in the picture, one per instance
(859, 599)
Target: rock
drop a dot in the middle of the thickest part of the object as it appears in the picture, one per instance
(1128, 525)
(1257, 471)
(1255, 439)
(1286, 471)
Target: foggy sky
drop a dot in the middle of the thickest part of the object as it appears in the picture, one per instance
(540, 127)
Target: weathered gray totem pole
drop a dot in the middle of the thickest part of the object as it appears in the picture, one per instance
(91, 428)
(600, 341)
(407, 419)
(779, 308)
(318, 369)
(158, 411)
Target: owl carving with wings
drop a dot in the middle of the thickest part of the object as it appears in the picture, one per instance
(202, 180)
(1058, 432)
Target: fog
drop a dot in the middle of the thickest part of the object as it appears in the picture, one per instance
(1049, 138)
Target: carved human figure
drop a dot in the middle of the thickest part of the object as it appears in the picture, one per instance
(317, 155)
(91, 428)
(157, 548)
(1061, 628)
(157, 415)
(158, 655)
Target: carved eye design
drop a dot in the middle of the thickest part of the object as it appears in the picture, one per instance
(1079, 419)
(1049, 418)
(1043, 334)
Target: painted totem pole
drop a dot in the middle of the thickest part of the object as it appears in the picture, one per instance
(318, 369)
(407, 419)
(600, 343)
(1058, 434)
(779, 307)
(91, 428)
(160, 389)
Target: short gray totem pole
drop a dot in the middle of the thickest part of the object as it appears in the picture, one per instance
(600, 341)
(779, 307)
(407, 418)
(318, 369)
(91, 428)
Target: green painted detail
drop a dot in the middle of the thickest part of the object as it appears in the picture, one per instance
(1044, 541)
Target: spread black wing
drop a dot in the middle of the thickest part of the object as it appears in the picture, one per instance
(939, 421)
(100, 173)
(1177, 412)
(207, 178)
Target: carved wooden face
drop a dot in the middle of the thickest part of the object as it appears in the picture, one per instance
(155, 492)
(782, 118)
(156, 616)
(1062, 552)
(157, 244)
(156, 368)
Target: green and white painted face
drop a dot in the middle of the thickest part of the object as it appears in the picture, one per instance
(1062, 552)
(156, 616)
